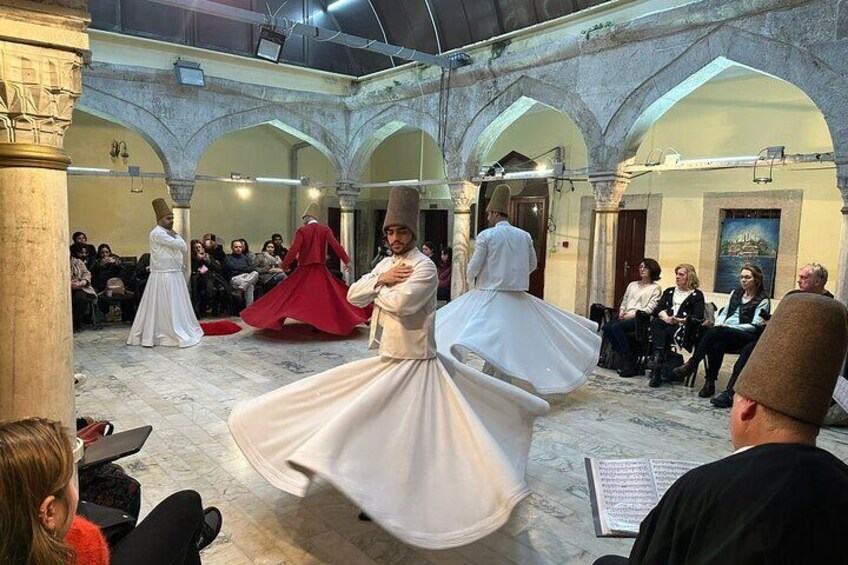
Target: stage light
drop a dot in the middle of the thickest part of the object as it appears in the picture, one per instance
(270, 45)
(189, 73)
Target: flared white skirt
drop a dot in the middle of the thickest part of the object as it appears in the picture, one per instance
(433, 452)
(522, 337)
(165, 315)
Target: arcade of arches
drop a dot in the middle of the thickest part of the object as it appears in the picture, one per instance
(709, 80)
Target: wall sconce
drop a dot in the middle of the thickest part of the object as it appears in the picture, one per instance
(135, 172)
(770, 154)
(119, 149)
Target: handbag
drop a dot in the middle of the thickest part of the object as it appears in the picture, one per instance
(115, 286)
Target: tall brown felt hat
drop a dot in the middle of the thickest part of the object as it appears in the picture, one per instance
(161, 208)
(403, 209)
(793, 369)
(312, 210)
(500, 200)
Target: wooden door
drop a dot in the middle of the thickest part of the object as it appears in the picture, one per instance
(530, 213)
(629, 249)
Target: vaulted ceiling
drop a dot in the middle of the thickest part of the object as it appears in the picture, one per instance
(431, 26)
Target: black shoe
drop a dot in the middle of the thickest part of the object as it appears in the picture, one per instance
(723, 400)
(708, 389)
(212, 522)
(628, 371)
(685, 370)
(364, 517)
(656, 361)
(656, 379)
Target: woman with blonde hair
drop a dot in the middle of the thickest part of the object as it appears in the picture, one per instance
(677, 304)
(38, 503)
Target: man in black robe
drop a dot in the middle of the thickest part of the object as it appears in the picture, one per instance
(778, 498)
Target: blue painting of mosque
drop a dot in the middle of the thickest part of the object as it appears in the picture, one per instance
(747, 240)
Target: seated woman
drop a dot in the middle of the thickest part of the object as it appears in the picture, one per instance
(38, 503)
(735, 326)
(445, 267)
(677, 304)
(107, 265)
(200, 280)
(82, 293)
(640, 296)
(269, 266)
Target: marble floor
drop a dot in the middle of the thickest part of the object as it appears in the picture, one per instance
(187, 394)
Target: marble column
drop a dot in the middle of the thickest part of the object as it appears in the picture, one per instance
(842, 269)
(348, 194)
(462, 194)
(40, 81)
(181, 191)
(608, 190)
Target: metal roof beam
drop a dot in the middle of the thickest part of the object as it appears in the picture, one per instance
(310, 31)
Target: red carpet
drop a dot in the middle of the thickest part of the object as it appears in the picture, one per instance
(222, 327)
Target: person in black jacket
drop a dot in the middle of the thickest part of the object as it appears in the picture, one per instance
(677, 304)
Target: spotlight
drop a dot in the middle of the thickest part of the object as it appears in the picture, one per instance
(270, 46)
(189, 73)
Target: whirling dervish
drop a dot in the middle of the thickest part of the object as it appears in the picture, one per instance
(515, 333)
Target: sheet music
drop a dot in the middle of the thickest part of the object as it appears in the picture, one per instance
(626, 493)
(666, 471)
(840, 393)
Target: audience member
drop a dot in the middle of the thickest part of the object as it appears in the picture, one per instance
(428, 248)
(240, 270)
(107, 265)
(200, 281)
(268, 265)
(280, 250)
(38, 503)
(778, 498)
(91, 253)
(445, 267)
(736, 326)
(383, 251)
(82, 293)
(641, 296)
(677, 304)
(215, 251)
(812, 278)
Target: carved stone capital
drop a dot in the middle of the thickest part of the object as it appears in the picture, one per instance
(462, 194)
(181, 191)
(608, 190)
(38, 89)
(842, 185)
(347, 193)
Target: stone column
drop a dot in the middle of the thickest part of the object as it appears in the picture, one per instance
(842, 269)
(41, 55)
(181, 191)
(608, 190)
(348, 194)
(462, 195)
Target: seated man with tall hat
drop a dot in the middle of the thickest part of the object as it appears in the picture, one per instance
(165, 315)
(515, 333)
(778, 498)
(433, 452)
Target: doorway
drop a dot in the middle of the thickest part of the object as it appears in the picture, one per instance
(530, 213)
(629, 249)
(435, 224)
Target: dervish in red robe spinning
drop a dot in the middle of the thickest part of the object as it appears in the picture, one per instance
(311, 294)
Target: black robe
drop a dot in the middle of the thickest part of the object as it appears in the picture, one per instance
(775, 503)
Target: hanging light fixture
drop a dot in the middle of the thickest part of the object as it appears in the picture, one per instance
(770, 154)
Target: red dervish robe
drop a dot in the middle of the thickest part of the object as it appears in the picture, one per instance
(311, 294)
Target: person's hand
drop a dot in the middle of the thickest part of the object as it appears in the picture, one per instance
(708, 323)
(395, 275)
(346, 268)
(628, 315)
(671, 320)
(147, 269)
(76, 285)
(203, 269)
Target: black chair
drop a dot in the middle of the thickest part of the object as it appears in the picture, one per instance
(639, 341)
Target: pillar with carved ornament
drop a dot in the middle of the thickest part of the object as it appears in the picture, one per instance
(462, 194)
(41, 56)
(181, 191)
(348, 193)
(608, 190)
(842, 269)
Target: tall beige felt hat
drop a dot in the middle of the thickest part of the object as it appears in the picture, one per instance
(500, 200)
(793, 369)
(161, 208)
(403, 209)
(312, 210)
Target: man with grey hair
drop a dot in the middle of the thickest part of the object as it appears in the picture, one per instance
(812, 278)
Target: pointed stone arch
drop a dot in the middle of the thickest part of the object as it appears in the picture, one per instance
(725, 47)
(500, 112)
(376, 130)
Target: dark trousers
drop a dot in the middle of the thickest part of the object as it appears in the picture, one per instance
(167, 536)
(80, 300)
(443, 294)
(715, 343)
(744, 355)
(201, 292)
(662, 334)
(612, 560)
(616, 332)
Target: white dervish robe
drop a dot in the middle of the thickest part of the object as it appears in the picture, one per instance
(165, 315)
(434, 453)
(519, 335)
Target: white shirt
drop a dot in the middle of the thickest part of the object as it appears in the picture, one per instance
(678, 298)
(166, 251)
(503, 259)
(403, 324)
(640, 298)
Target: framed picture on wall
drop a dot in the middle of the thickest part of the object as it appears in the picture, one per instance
(747, 236)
